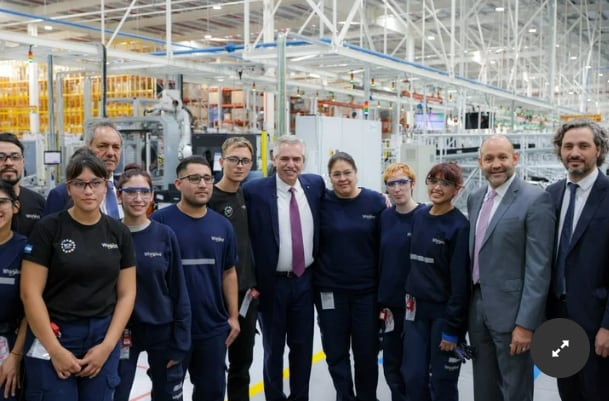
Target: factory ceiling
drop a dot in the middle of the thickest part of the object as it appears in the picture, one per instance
(550, 55)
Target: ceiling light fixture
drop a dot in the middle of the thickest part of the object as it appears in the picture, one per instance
(217, 7)
(48, 28)
(499, 9)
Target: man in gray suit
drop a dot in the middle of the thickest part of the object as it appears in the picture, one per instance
(511, 244)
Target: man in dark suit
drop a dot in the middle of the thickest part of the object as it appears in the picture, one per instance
(511, 250)
(286, 295)
(106, 143)
(580, 279)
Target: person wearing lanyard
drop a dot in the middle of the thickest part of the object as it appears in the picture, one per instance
(437, 291)
(395, 228)
(78, 289)
(346, 282)
(12, 324)
(160, 323)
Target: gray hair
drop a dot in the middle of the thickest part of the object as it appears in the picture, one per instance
(289, 140)
(601, 138)
(102, 124)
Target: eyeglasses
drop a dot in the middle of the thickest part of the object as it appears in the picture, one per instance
(15, 157)
(132, 192)
(338, 174)
(400, 182)
(5, 202)
(432, 181)
(94, 184)
(235, 160)
(196, 178)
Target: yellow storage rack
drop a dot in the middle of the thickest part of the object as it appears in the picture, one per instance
(15, 109)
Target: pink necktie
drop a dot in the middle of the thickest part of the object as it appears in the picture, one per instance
(483, 220)
(298, 258)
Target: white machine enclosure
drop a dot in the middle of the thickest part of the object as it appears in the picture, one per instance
(323, 136)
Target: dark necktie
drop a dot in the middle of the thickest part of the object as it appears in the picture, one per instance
(298, 258)
(483, 220)
(560, 286)
(111, 202)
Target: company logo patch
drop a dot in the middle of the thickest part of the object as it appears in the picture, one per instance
(228, 211)
(217, 239)
(67, 246)
(109, 245)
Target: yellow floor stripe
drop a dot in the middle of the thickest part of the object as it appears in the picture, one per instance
(257, 388)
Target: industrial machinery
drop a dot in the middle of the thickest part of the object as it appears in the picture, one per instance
(161, 138)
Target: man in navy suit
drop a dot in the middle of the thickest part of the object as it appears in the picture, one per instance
(106, 143)
(286, 298)
(580, 283)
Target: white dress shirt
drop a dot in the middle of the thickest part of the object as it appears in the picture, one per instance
(284, 261)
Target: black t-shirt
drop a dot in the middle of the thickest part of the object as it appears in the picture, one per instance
(83, 262)
(31, 205)
(232, 206)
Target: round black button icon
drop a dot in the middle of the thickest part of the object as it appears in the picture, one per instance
(560, 348)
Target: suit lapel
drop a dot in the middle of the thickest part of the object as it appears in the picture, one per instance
(504, 205)
(597, 194)
(272, 203)
(476, 206)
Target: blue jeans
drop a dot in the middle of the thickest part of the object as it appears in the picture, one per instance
(77, 337)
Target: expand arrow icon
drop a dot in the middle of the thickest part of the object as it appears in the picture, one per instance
(565, 343)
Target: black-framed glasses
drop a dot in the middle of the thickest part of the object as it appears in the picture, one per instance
(80, 185)
(196, 178)
(235, 160)
(433, 181)
(5, 202)
(399, 182)
(132, 192)
(15, 157)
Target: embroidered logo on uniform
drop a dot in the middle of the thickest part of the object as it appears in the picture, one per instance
(438, 241)
(11, 272)
(32, 216)
(217, 239)
(109, 246)
(228, 211)
(28, 249)
(67, 246)
(368, 216)
(152, 254)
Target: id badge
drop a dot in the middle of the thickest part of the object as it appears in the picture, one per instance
(411, 307)
(126, 344)
(327, 300)
(38, 351)
(388, 320)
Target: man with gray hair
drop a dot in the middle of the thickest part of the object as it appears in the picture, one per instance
(580, 275)
(283, 215)
(106, 142)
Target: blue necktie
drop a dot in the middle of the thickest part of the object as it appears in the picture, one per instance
(111, 202)
(560, 286)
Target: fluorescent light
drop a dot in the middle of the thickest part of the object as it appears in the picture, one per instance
(532, 30)
(208, 36)
(600, 74)
(308, 56)
(573, 57)
(48, 28)
(431, 37)
(499, 9)
(217, 7)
